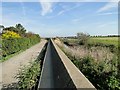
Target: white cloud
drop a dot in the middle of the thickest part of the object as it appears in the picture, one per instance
(46, 7)
(108, 6)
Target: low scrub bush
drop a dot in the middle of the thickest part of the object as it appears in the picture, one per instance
(13, 45)
(10, 34)
(113, 83)
(27, 76)
(83, 38)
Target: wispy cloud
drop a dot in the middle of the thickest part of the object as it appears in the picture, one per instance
(61, 12)
(60, 0)
(109, 13)
(106, 24)
(108, 6)
(76, 20)
(46, 7)
(23, 8)
(66, 9)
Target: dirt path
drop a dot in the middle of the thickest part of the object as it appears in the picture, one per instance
(11, 66)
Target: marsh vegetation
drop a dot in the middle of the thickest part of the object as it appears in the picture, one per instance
(97, 58)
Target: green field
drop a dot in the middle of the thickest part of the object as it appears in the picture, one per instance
(100, 40)
(104, 40)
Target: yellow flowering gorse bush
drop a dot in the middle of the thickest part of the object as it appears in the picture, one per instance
(10, 34)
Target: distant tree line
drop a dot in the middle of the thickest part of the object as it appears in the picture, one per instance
(75, 37)
(106, 36)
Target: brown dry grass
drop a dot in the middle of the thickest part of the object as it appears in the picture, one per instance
(98, 53)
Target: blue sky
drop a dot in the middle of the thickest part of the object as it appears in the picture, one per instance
(51, 19)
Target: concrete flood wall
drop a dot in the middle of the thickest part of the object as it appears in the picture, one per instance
(59, 72)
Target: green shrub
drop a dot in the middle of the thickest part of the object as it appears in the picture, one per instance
(83, 38)
(27, 76)
(13, 45)
(10, 46)
(113, 83)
